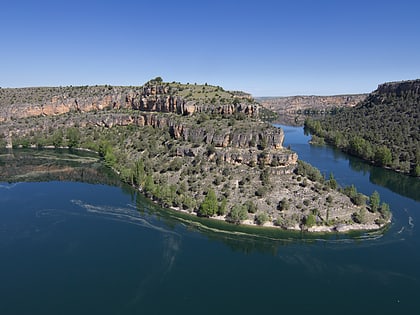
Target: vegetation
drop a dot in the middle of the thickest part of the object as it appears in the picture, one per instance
(182, 161)
(237, 214)
(384, 129)
(209, 206)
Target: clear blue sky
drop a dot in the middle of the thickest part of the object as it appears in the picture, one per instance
(263, 47)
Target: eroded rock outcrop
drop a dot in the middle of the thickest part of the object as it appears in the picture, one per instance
(298, 104)
(151, 98)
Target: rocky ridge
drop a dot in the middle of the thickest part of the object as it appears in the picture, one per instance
(177, 143)
(293, 109)
(16, 104)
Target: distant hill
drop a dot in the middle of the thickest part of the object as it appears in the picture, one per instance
(383, 129)
(294, 109)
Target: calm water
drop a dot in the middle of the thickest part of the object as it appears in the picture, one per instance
(80, 248)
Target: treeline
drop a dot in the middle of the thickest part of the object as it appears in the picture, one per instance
(384, 130)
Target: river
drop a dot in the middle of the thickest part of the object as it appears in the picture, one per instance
(82, 247)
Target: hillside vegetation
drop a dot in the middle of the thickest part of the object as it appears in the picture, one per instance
(195, 148)
(384, 129)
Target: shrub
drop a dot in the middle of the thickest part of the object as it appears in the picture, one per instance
(283, 205)
(309, 220)
(250, 206)
(237, 214)
(261, 218)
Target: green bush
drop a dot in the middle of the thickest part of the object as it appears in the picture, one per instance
(261, 218)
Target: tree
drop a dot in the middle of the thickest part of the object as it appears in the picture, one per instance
(73, 137)
(250, 206)
(283, 205)
(57, 139)
(149, 185)
(359, 217)
(383, 156)
(265, 177)
(261, 218)
(139, 173)
(237, 214)
(222, 207)
(359, 199)
(332, 182)
(209, 206)
(309, 220)
(374, 201)
(385, 211)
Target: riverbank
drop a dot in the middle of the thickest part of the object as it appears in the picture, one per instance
(339, 228)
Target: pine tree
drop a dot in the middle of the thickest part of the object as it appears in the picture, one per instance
(374, 201)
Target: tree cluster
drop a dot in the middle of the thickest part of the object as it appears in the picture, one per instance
(384, 129)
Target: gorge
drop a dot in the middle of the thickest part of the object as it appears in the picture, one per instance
(196, 148)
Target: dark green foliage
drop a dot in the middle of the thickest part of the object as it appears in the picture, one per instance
(261, 191)
(261, 218)
(175, 165)
(374, 201)
(222, 207)
(73, 137)
(265, 177)
(139, 174)
(357, 198)
(237, 214)
(283, 205)
(250, 206)
(360, 216)
(385, 211)
(332, 182)
(307, 170)
(385, 129)
(106, 151)
(309, 220)
(57, 138)
(383, 156)
(149, 185)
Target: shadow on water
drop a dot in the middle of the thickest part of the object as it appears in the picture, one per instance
(32, 165)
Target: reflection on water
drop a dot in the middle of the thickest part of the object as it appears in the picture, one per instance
(401, 184)
(25, 165)
(53, 165)
(109, 250)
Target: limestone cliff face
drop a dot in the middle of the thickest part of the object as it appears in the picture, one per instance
(399, 87)
(156, 98)
(159, 106)
(270, 138)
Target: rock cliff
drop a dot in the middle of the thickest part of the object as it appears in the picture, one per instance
(297, 104)
(178, 144)
(399, 88)
(18, 103)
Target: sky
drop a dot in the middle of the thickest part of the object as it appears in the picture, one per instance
(266, 48)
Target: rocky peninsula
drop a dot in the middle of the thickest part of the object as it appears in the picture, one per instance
(190, 147)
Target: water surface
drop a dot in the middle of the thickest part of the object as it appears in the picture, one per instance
(80, 247)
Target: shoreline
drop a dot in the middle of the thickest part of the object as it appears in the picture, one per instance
(339, 228)
(324, 229)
